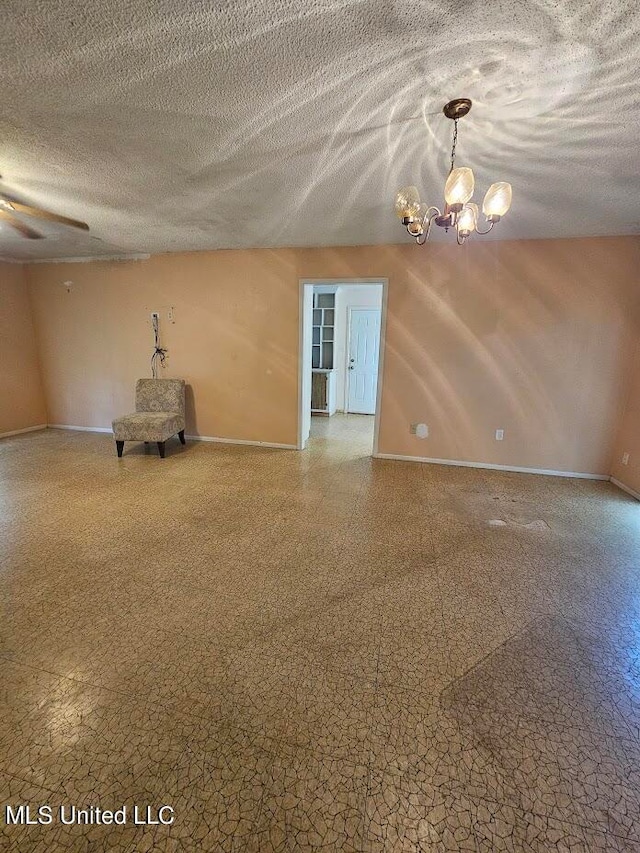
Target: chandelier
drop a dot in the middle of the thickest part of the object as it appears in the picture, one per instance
(459, 211)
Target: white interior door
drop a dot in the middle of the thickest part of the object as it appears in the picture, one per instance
(362, 367)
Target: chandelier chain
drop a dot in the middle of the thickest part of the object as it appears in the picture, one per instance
(453, 147)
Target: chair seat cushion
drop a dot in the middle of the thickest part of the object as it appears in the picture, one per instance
(147, 426)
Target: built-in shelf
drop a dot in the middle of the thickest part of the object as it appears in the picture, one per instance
(323, 330)
(322, 354)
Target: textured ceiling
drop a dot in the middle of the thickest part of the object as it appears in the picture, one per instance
(180, 124)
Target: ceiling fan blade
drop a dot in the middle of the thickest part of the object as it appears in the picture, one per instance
(45, 214)
(14, 222)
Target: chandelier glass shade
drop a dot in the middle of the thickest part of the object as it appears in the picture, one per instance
(459, 211)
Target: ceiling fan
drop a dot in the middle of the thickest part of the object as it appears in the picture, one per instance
(8, 208)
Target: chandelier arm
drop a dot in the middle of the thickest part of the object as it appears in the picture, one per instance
(460, 240)
(436, 212)
(425, 234)
(431, 219)
(478, 231)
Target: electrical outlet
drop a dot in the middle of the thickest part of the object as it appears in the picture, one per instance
(499, 435)
(625, 458)
(171, 316)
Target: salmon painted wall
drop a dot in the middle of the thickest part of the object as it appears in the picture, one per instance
(21, 395)
(234, 339)
(533, 337)
(629, 434)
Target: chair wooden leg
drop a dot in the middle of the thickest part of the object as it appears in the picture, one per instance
(161, 449)
(119, 447)
(181, 437)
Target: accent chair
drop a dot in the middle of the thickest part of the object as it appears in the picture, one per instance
(159, 414)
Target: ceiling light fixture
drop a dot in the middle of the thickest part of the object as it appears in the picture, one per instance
(459, 211)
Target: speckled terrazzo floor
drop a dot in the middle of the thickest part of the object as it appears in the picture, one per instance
(315, 651)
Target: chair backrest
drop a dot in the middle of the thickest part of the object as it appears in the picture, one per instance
(160, 395)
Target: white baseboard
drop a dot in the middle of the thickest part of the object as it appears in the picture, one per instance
(80, 428)
(517, 469)
(626, 489)
(241, 441)
(21, 431)
(394, 456)
(190, 437)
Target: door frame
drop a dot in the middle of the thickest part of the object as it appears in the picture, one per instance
(347, 372)
(304, 358)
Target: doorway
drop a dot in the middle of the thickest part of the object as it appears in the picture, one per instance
(340, 369)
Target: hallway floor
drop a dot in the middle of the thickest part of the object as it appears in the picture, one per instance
(316, 650)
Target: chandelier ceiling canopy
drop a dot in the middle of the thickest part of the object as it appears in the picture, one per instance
(459, 211)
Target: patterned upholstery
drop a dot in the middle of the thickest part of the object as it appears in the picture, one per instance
(160, 395)
(147, 426)
(159, 412)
